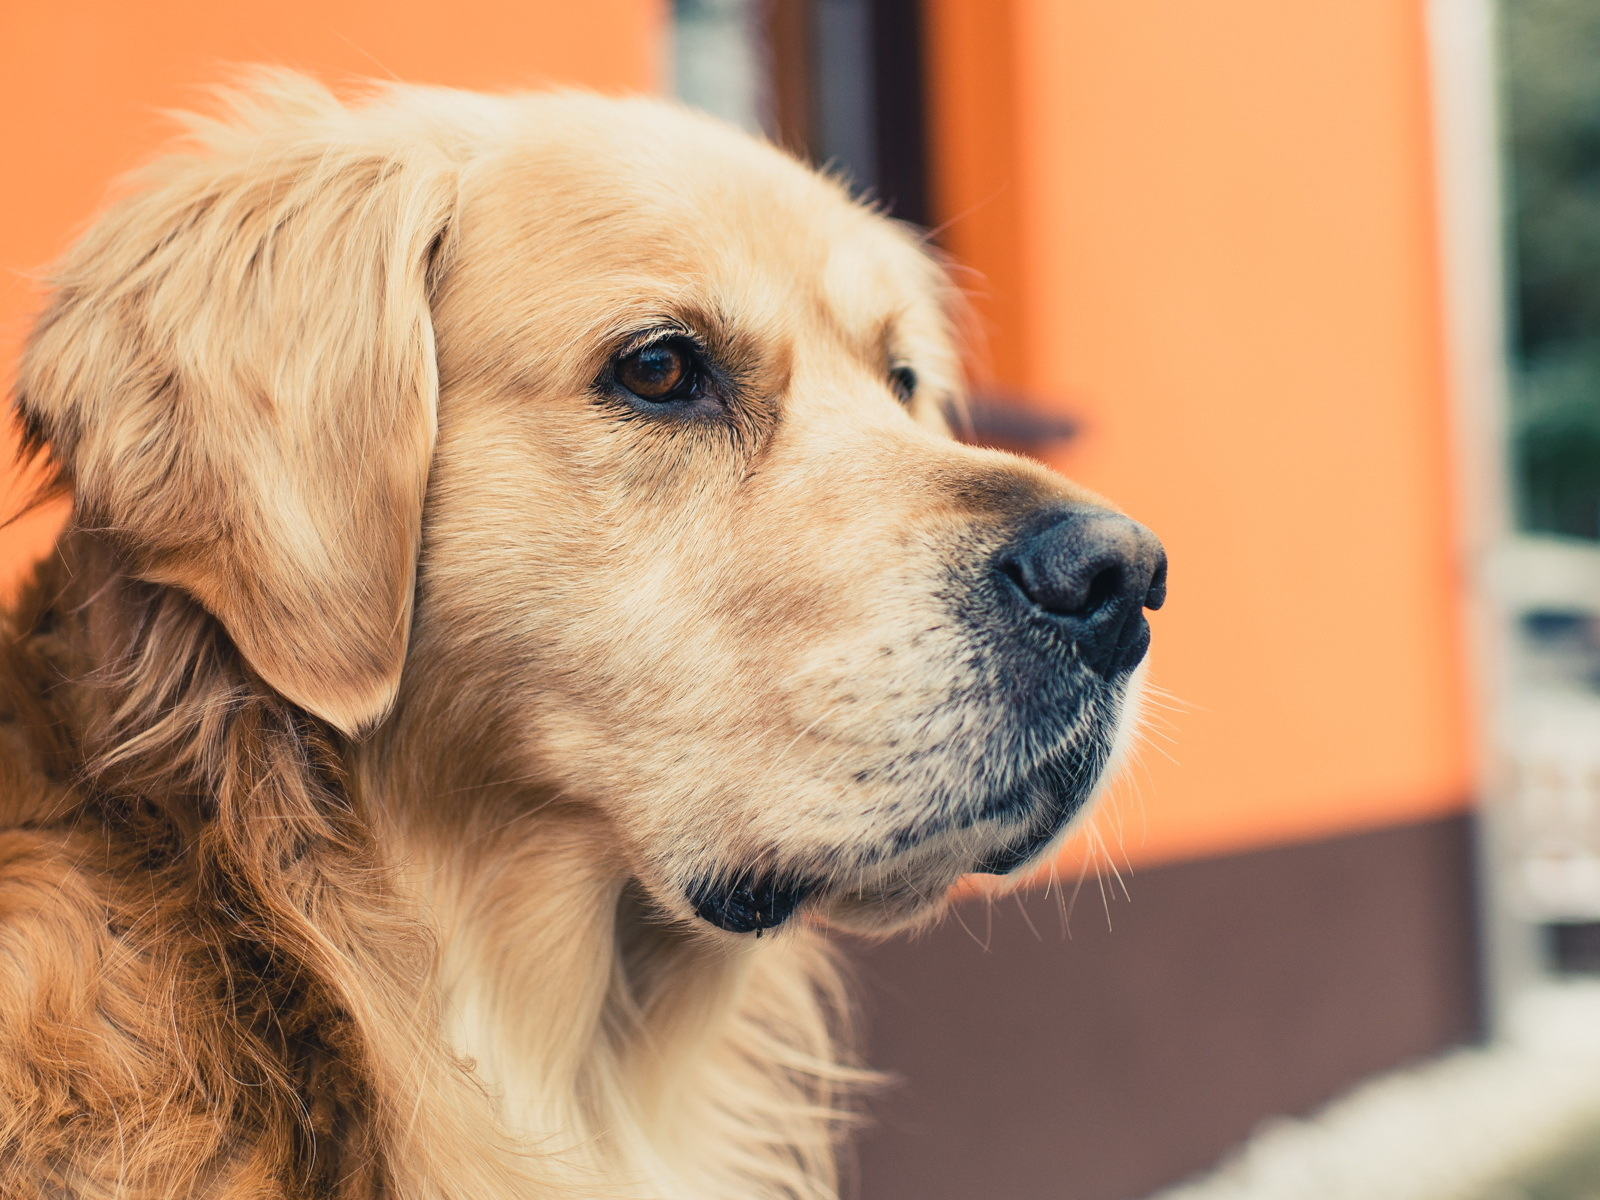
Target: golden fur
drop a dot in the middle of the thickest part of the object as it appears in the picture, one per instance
(392, 688)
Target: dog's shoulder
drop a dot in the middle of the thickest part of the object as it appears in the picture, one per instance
(107, 1081)
(116, 1071)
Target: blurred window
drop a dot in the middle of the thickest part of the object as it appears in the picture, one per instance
(837, 81)
(717, 59)
(1551, 65)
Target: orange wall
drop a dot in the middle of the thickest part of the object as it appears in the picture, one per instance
(1215, 221)
(82, 84)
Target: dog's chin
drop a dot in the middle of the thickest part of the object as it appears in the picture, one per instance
(916, 892)
(914, 900)
(905, 877)
(889, 888)
(902, 892)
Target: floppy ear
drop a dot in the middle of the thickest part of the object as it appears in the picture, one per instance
(236, 373)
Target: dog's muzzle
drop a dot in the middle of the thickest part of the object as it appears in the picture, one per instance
(1055, 622)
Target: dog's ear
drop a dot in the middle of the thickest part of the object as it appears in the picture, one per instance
(236, 374)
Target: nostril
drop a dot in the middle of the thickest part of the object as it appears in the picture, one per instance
(1012, 570)
(1106, 586)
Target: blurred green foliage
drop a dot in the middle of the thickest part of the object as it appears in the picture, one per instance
(1551, 69)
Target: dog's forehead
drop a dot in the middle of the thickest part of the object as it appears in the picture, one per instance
(637, 198)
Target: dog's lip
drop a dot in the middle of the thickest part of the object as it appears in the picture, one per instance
(749, 901)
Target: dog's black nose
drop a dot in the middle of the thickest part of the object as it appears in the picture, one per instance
(1092, 573)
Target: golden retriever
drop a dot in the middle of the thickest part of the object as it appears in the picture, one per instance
(518, 558)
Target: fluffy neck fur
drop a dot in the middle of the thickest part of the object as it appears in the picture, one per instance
(341, 975)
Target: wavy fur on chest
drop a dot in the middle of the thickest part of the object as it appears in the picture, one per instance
(220, 972)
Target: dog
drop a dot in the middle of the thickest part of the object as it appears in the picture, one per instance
(522, 590)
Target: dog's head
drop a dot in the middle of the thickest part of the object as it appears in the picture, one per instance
(614, 443)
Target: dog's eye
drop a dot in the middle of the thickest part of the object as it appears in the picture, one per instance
(662, 371)
(903, 382)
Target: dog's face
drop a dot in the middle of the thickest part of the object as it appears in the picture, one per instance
(697, 551)
(695, 500)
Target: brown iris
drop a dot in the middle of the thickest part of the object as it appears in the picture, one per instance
(655, 372)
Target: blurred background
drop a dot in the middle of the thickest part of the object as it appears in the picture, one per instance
(1311, 289)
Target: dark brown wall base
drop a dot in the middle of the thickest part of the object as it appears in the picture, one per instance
(1104, 1066)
